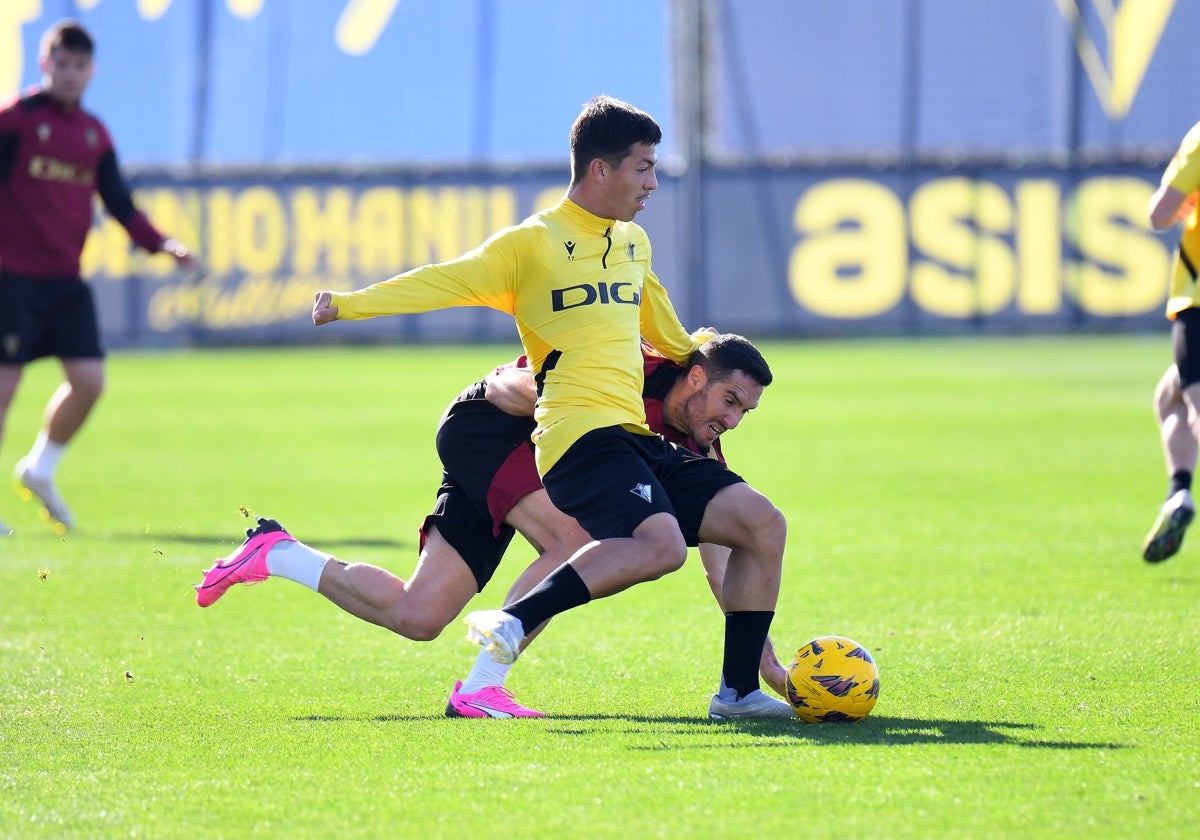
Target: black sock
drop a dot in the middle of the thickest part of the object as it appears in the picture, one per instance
(563, 590)
(745, 634)
(1180, 480)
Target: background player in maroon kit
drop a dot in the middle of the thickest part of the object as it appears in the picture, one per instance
(54, 157)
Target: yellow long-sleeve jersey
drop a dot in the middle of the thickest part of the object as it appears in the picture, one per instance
(583, 295)
(1183, 173)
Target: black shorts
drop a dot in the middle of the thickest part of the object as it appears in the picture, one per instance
(47, 317)
(1185, 340)
(487, 467)
(612, 480)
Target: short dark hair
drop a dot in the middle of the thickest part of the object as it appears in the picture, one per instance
(608, 128)
(67, 34)
(722, 354)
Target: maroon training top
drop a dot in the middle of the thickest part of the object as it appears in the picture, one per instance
(52, 160)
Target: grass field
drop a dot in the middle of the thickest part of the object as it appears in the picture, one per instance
(970, 510)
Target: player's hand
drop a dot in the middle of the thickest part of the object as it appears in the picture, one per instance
(323, 313)
(703, 334)
(1187, 208)
(772, 671)
(183, 257)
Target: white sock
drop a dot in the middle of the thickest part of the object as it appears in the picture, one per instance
(43, 458)
(296, 561)
(484, 672)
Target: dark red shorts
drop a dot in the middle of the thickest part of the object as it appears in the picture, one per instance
(487, 467)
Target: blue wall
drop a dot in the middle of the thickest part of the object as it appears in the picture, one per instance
(904, 166)
(467, 81)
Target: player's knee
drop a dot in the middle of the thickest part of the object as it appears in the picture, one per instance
(1163, 398)
(420, 627)
(773, 529)
(565, 541)
(1168, 394)
(763, 530)
(666, 555)
(88, 388)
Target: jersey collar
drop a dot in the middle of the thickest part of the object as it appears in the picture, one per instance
(583, 219)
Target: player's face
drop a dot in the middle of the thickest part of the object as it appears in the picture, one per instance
(629, 185)
(719, 406)
(66, 74)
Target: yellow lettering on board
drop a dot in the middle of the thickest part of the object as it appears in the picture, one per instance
(958, 222)
(176, 213)
(321, 229)
(1038, 242)
(218, 258)
(378, 220)
(547, 198)
(106, 250)
(433, 223)
(260, 232)
(1125, 266)
(853, 250)
(444, 224)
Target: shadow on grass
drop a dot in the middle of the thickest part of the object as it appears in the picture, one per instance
(880, 730)
(323, 543)
(896, 732)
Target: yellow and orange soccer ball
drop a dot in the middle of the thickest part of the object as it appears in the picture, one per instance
(832, 679)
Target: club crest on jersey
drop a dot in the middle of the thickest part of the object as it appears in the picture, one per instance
(629, 250)
(91, 138)
(43, 132)
(642, 490)
(570, 246)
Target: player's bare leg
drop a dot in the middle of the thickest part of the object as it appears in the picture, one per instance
(73, 401)
(419, 608)
(598, 569)
(66, 412)
(715, 559)
(1179, 426)
(10, 377)
(556, 537)
(755, 531)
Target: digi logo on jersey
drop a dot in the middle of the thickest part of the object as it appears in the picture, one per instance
(585, 294)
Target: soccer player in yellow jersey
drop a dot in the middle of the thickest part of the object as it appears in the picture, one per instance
(577, 279)
(490, 489)
(1177, 397)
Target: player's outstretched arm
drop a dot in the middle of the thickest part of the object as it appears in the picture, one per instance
(715, 558)
(1168, 206)
(323, 312)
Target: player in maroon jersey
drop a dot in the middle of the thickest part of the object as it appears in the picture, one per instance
(490, 490)
(54, 157)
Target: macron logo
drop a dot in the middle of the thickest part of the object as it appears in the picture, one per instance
(642, 490)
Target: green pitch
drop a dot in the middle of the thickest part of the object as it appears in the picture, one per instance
(970, 510)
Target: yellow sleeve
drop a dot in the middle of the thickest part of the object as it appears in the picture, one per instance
(660, 325)
(485, 276)
(1183, 173)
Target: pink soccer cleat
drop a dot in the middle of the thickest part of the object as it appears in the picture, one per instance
(247, 565)
(493, 701)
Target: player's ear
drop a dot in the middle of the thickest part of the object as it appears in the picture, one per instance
(697, 377)
(598, 168)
